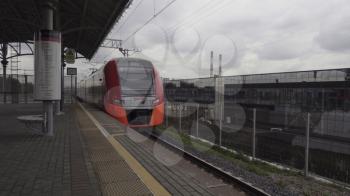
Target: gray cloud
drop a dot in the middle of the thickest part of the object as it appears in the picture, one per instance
(335, 34)
(269, 35)
(283, 49)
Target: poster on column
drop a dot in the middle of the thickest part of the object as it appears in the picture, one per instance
(47, 65)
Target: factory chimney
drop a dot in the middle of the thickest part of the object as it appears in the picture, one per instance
(211, 63)
(220, 65)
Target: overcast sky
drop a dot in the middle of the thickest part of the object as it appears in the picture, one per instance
(254, 36)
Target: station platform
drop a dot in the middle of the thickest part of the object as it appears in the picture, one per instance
(90, 154)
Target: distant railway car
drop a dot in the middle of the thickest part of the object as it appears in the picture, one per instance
(129, 89)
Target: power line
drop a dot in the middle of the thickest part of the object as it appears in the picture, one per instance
(191, 15)
(150, 19)
(213, 11)
(147, 22)
(128, 17)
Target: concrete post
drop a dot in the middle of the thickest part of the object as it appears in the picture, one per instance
(254, 134)
(307, 142)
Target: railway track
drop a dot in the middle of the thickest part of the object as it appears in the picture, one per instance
(210, 168)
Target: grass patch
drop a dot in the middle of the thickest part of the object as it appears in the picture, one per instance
(239, 159)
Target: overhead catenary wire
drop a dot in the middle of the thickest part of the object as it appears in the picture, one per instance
(214, 11)
(120, 27)
(192, 15)
(150, 19)
(147, 22)
(129, 15)
(200, 19)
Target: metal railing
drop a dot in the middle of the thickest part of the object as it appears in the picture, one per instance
(303, 127)
(20, 89)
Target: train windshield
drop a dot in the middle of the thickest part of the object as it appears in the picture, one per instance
(136, 78)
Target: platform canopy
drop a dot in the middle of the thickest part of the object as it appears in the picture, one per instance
(84, 23)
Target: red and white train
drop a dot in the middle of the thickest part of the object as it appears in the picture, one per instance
(128, 89)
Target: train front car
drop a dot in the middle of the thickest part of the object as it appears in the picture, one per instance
(134, 92)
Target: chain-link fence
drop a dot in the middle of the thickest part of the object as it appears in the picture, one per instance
(300, 119)
(20, 89)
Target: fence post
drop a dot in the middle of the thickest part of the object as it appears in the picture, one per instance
(71, 89)
(25, 89)
(197, 123)
(254, 133)
(322, 112)
(166, 114)
(180, 108)
(75, 86)
(307, 138)
(220, 123)
(286, 118)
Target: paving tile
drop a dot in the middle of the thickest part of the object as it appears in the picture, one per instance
(40, 165)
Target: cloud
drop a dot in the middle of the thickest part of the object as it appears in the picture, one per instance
(335, 34)
(269, 35)
(284, 49)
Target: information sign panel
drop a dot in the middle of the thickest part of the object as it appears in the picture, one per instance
(47, 65)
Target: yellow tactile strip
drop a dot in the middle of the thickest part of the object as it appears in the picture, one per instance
(114, 175)
(112, 188)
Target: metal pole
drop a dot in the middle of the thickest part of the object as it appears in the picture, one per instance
(197, 122)
(220, 65)
(47, 23)
(322, 113)
(180, 118)
(307, 137)
(75, 86)
(4, 63)
(166, 114)
(4, 82)
(222, 99)
(58, 107)
(25, 89)
(211, 64)
(286, 118)
(71, 89)
(254, 133)
(220, 122)
(62, 85)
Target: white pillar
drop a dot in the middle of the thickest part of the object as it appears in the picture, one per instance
(47, 24)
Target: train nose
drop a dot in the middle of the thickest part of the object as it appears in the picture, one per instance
(139, 116)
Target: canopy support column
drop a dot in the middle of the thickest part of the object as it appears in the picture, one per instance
(4, 63)
(48, 106)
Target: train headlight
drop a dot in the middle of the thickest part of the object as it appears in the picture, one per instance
(156, 101)
(118, 101)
